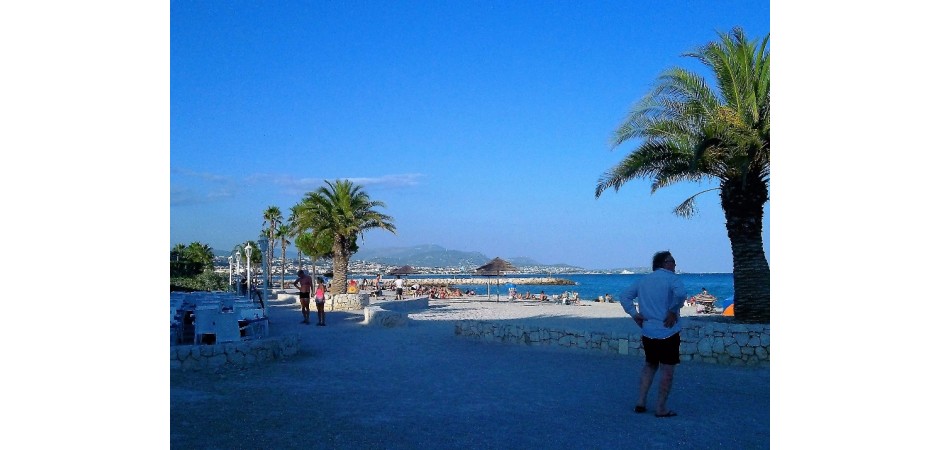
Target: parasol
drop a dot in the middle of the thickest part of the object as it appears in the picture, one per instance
(494, 267)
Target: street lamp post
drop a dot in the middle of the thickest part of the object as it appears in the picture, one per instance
(238, 268)
(263, 244)
(248, 258)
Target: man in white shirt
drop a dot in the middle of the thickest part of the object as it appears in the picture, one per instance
(399, 287)
(661, 295)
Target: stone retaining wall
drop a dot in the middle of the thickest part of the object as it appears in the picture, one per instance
(232, 355)
(338, 302)
(704, 341)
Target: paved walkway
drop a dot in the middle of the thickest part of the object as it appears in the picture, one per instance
(420, 386)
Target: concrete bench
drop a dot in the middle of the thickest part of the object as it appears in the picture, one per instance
(393, 313)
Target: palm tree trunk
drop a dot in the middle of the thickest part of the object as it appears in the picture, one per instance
(283, 263)
(340, 264)
(744, 211)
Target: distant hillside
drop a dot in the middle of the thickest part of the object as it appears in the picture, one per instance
(436, 256)
(422, 255)
(428, 255)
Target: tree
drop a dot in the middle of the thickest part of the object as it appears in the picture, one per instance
(295, 232)
(177, 252)
(339, 213)
(272, 219)
(690, 132)
(199, 253)
(190, 261)
(282, 233)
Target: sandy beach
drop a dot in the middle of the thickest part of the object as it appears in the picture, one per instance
(420, 386)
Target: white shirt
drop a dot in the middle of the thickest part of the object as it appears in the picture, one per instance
(659, 292)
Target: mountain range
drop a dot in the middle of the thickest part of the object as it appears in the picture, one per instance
(430, 255)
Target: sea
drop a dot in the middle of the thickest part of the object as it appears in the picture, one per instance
(590, 286)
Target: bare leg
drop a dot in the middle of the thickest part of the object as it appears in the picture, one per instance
(646, 380)
(665, 385)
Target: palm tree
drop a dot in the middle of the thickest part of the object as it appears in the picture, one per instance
(201, 254)
(338, 214)
(177, 252)
(690, 132)
(282, 233)
(272, 219)
(295, 232)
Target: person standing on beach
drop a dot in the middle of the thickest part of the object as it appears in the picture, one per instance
(399, 287)
(320, 299)
(304, 282)
(661, 295)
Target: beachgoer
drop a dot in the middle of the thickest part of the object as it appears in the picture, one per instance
(660, 297)
(399, 287)
(319, 297)
(414, 290)
(304, 282)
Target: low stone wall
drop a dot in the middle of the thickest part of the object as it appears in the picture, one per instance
(232, 355)
(338, 302)
(704, 341)
(346, 302)
(393, 313)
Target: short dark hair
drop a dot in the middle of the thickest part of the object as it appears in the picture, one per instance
(660, 258)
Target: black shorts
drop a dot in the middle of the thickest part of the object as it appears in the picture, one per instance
(662, 351)
(305, 295)
(398, 291)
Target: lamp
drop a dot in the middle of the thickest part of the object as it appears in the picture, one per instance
(248, 262)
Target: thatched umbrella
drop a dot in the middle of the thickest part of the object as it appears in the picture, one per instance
(494, 267)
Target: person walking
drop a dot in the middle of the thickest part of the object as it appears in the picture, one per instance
(304, 282)
(320, 299)
(661, 295)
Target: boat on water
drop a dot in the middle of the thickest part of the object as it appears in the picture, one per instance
(208, 318)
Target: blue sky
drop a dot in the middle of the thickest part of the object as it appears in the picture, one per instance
(483, 126)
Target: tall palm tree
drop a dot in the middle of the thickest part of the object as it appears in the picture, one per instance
(295, 232)
(340, 212)
(690, 132)
(282, 233)
(272, 219)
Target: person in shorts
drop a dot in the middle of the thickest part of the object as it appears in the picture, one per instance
(660, 295)
(304, 282)
(399, 287)
(319, 298)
